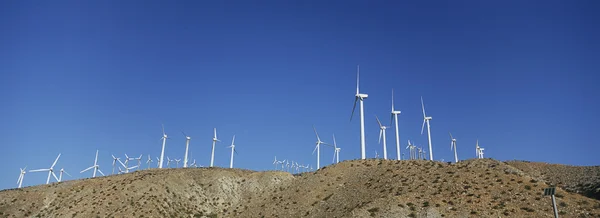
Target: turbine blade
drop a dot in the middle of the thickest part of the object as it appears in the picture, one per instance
(318, 139)
(379, 122)
(89, 168)
(39, 170)
(315, 149)
(422, 126)
(100, 172)
(233, 140)
(423, 106)
(357, 78)
(163, 128)
(55, 176)
(67, 173)
(333, 160)
(183, 133)
(380, 132)
(334, 144)
(353, 108)
(451, 145)
(450, 135)
(215, 131)
(55, 161)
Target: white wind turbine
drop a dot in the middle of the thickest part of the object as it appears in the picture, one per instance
(275, 162)
(169, 162)
(177, 162)
(114, 162)
(336, 151)
(411, 148)
(95, 167)
(212, 154)
(50, 170)
(376, 155)
(395, 117)
(382, 129)
(187, 145)
(21, 176)
(139, 159)
(149, 161)
(479, 150)
(360, 97)
(232, 146)
(162, 153)
(426, 119)
(157, 162)
(318, 148)
(453, 146)
(60, 174)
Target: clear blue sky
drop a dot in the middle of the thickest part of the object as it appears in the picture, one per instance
(520, 76)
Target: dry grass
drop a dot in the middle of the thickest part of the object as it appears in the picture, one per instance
(359, 188)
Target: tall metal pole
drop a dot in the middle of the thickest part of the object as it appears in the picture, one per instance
(554, 206)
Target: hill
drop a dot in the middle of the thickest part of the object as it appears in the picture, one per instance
(584, 180)
(358, 188)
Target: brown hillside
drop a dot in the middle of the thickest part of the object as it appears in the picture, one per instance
(584, 180)
(359, 188)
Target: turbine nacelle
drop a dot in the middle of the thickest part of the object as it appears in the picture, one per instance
(362, 96)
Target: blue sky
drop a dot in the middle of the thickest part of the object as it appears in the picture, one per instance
(520, 76)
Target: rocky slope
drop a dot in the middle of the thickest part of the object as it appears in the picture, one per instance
(359, 188)
(584, 180)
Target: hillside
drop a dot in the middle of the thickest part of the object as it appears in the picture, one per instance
(584, 180)
(358, 188)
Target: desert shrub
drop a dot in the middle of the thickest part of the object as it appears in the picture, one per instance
(426, 204)
(527, 187)
(562, 204)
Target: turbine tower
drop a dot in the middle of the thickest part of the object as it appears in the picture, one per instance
(336, 151)
(395, 117)
(187, 145)
(382, 129)
(212, 154)
(162, 153)
(60, 174)
(232, 146)
(21, 176)
(318, 148)
(453, 146)
(360, 97)
(50, 170)
(426, 119)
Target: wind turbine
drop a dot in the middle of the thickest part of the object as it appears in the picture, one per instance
(21, 176)
(426, 119)
(162, 153)
(50, 170)
(275, 162)
(318, 148)
(477, 149)
(157, 162)
(212, 155)
(232, 146)
(411, 148)
(60, 174)
(187, 145)
(95, 166)
(453, 146)
(177, 162)
(376, 155)
(336, 151)
(382, 129)
(114, 162)
(168, 162)
(360, 97)
(139, 159)
(149, 161)
(395, 117)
